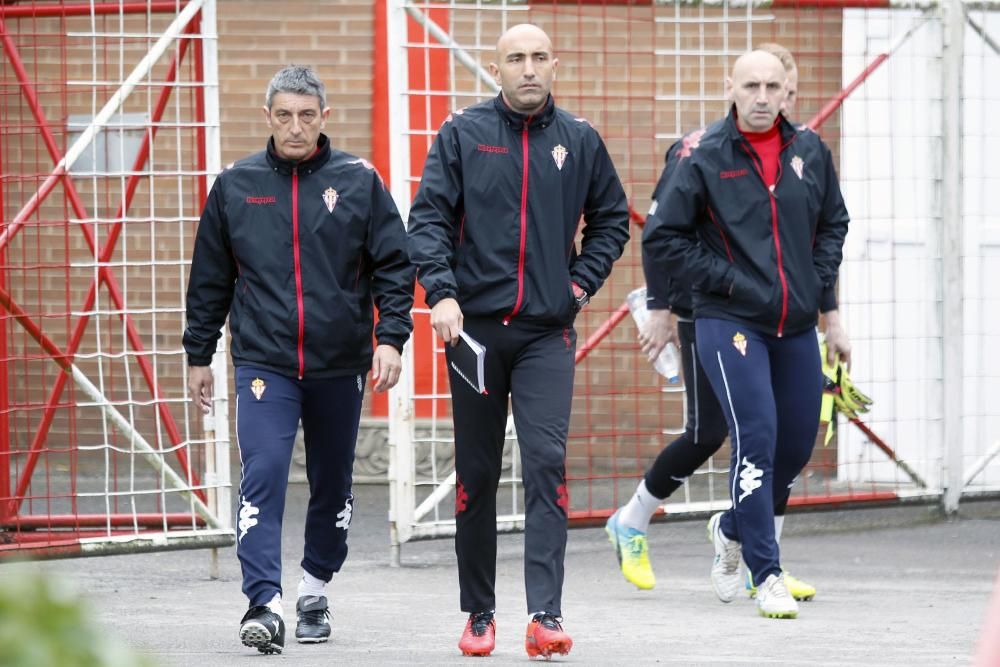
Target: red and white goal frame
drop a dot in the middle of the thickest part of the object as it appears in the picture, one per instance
(900, 94)
(108, 142)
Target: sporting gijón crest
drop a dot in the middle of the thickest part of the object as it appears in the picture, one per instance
(330, 198)
(559, 154)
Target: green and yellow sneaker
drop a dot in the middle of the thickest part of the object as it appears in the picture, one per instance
(632, 550)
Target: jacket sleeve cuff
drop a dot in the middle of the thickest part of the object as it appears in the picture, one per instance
(394, 341)
(198, 360)
(435, 296)
(827, 299)
(582, 284)
(652, 303)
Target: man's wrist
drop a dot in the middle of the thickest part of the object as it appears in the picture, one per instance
(580, 296)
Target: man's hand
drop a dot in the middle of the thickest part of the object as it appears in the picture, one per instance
(201, 385)
(447, 320)
(837, 344)
(386, 366)
(660, 329)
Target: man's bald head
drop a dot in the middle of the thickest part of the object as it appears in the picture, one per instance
(757, 88)
(525, 67)
(520, 32)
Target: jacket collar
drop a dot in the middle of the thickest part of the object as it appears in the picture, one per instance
(283, 166)
(517, 120)
(788, 130)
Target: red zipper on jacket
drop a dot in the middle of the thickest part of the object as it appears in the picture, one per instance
(298, 270)
(524, 222)
(774, 231)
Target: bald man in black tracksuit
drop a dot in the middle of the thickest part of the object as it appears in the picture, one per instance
(492, 233)
(753, 218)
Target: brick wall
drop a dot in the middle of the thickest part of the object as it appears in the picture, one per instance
(609, 72)
(334, 37)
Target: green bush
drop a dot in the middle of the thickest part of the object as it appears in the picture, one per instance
(45, 624)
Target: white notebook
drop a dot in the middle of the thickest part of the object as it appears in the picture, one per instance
(467, 361)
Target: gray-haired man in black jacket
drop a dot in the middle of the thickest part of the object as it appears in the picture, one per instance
(296, 244)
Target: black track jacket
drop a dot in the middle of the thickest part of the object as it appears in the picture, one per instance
(494, 221)
(672, 295)
(294, 253)
(767, 259)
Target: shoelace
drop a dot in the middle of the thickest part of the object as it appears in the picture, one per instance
(480, 622)
(315, 617)
(636, 545)
(779, 589)
(551, 622)
(732, 557)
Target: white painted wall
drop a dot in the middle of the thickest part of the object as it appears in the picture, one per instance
(891, 277)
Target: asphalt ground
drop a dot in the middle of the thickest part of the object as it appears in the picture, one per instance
(898, 585)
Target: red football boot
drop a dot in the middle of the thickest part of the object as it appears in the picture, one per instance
(479, 637)
(545, 636)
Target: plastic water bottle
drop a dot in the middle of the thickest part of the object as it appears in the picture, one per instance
(668, 363)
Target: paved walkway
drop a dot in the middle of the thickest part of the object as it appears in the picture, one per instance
(897, 586)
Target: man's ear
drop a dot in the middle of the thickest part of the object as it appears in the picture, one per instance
(267, 115)
(495, 72)
(729, 88)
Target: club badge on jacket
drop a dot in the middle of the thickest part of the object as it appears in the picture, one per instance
(330, 198)
(559, 154)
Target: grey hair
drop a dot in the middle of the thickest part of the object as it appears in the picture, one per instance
(298, 80)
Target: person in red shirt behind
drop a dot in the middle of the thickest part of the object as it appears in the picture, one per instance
(752, 218)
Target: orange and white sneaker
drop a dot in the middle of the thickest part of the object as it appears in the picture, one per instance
(479, 637)
(545, 636)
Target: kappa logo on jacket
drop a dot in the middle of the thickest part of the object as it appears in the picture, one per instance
(451, 116)
(496, 150)
(268, 199)
(370, 167)
(689, 144)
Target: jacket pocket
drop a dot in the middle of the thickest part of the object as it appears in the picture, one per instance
(748, 290)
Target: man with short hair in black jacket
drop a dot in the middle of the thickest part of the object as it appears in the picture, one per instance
(752, 217)
(296, 244)
(492, 232)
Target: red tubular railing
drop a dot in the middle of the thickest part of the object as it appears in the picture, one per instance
(64, 359)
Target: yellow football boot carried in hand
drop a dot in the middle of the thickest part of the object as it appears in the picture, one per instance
(839, 394)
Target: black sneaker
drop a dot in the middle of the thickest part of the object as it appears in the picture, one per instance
(262, 629)
(313, 624)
